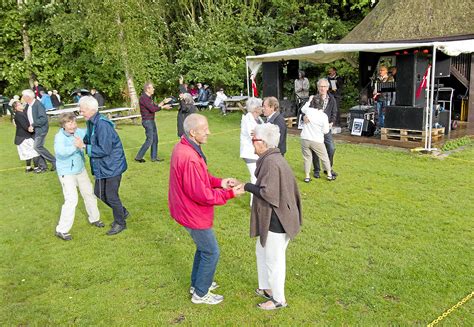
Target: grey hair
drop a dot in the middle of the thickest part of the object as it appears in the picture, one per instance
(188, 98)
(253, 103)
(29, 93)
(147, 85)
(192, 122)
(325, 80)
(66, 117)
(269, 133)
(89, 103)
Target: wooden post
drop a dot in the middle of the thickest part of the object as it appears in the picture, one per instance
(470, 106)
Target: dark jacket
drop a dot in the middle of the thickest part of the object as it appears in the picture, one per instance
(104, 148)
(279, 120)
(40, 119)
(22, 124)
(55, 101)
(99, 98)
(184, 111)
(278, 193)
(339, 85)
(148, 107)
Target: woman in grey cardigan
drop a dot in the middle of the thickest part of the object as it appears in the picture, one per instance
(276, 215)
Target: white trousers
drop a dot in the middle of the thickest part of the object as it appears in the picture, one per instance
(70, 183)
(271, 264)
(252, 166)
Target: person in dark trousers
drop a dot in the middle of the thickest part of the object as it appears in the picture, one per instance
(271, 110)
(107, 160)
(330, 109)
(98, 97)
(336, 85)
(39, 125)
(147, 110)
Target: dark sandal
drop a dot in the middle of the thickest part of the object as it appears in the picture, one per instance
(263, 293)
(276, 305)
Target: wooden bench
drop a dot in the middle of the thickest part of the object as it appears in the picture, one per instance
(133, 118)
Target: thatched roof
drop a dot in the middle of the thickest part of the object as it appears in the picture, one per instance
(403, 20)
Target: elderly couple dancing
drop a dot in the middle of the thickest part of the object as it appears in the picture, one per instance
(275, 214)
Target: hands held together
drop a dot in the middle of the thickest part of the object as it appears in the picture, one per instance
(237, 187)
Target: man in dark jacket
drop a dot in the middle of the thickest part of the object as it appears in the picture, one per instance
(98, 97)
(271, 110)
(330, 109)
(147, 110)
(107, 160)
(39, 125)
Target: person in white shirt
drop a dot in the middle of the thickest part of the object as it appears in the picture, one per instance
(312, 136)
(247, 126)
(220, 101)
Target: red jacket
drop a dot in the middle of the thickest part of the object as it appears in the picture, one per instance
(193, 191)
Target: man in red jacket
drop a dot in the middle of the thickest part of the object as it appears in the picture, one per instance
(193, 193)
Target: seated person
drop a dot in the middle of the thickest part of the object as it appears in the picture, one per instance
(219, 102)
(46, 101)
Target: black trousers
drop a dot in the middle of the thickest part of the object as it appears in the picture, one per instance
(107, 189)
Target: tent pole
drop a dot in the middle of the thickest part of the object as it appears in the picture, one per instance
(427, 106)
(433, 70)
(247, 70)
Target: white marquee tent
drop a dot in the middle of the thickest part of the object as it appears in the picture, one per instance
(326, 52)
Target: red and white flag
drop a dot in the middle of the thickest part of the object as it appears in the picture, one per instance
(254, 86)
(424, 83)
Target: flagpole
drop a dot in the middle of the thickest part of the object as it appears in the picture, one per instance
(247, 70)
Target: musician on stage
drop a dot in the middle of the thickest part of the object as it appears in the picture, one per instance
(382, 99)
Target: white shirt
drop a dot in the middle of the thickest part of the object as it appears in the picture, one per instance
(247, 126)
(220, 98)
(29, 112)
(318, 124)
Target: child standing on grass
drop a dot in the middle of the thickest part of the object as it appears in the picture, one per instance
(23, 138)
(69, 149)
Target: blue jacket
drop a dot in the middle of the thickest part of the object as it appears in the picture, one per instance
(69, 159)
(46, 101)
(104, 148)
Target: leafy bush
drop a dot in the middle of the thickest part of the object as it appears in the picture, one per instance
(456, 143)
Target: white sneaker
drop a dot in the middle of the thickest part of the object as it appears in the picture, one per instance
(209, 298)
(213, 286)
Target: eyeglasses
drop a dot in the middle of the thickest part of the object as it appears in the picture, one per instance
(256, 140)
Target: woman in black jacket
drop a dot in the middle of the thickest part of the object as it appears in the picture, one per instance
(24, 138)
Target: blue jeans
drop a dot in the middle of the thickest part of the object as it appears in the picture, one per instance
(151, 140)
(381, 115)
(330, 148)
(205, 259)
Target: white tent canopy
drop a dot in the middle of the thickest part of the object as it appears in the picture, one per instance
(327, 52)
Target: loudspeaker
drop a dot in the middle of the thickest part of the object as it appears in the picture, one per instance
(287, 108)
(272, 79)
(404, 117)
(443, 65)
(410, 71)
(292, 69)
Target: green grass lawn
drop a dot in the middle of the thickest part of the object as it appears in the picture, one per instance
(389, 243)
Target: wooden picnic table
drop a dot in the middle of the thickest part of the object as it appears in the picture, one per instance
(236, 103)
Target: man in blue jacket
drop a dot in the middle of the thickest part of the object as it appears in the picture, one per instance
(69, 149)
(107, 160)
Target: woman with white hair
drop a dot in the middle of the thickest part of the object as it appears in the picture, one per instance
(276, 215)
(247, 126)
(186, 108)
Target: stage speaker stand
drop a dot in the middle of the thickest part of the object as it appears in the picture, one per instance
(410, 71)
(292, 69)
(273, 79)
